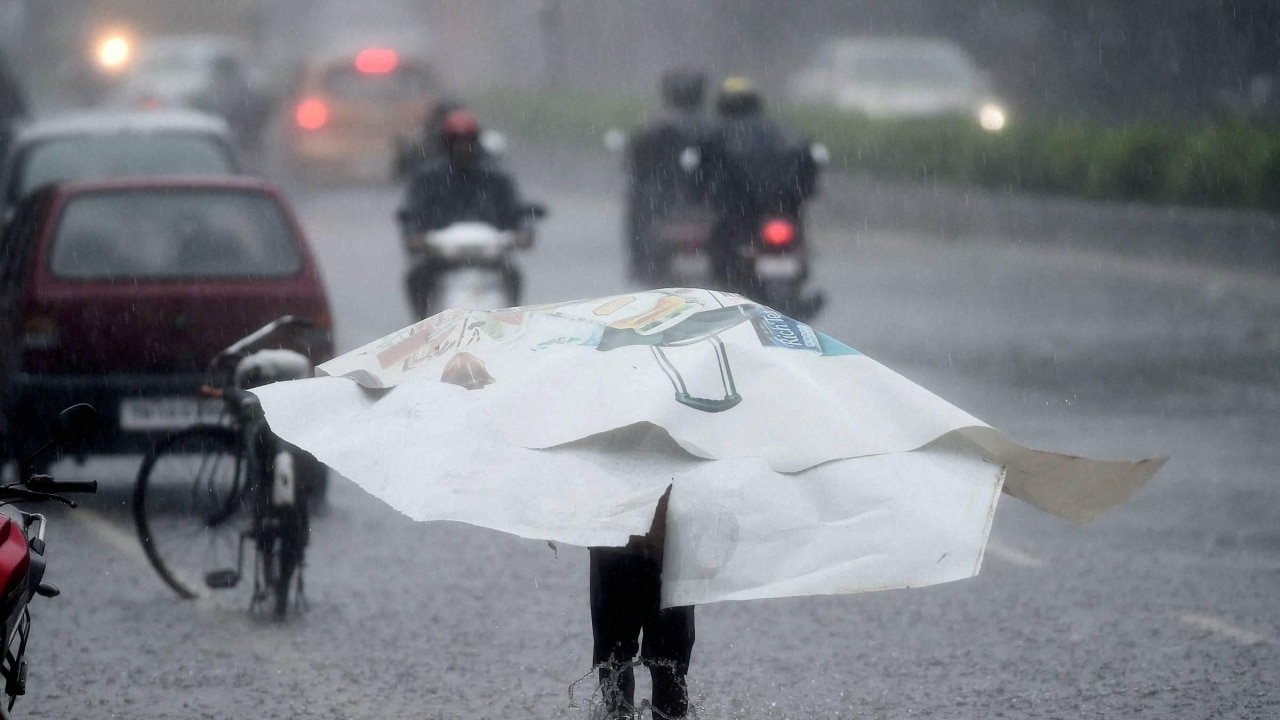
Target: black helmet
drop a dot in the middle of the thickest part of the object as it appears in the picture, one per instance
(683, 89)
(738, 97)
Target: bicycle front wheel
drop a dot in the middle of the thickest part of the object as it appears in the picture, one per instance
(192, 508)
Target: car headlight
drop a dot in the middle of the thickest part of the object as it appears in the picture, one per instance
(113, 52)
(992, 117)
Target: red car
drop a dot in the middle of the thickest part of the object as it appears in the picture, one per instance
(118, 293)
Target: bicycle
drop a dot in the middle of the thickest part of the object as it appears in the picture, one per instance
(206, 492)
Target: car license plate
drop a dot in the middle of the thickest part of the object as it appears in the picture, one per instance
(777, 266)
(167, 413)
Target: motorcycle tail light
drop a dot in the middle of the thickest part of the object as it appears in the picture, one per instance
(311, 114)
(778, 233)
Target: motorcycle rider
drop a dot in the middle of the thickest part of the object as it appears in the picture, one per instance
(231, 96)
(755, 166)
(658, 183)
(411, 152)
(458, 185)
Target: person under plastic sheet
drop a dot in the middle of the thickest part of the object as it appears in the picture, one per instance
(626, 585)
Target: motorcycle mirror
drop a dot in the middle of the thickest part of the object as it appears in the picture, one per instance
(615, 140)
(75, 423)
(690, 159)
(820, 153)
(493, 142)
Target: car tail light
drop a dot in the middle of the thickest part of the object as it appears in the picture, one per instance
(150, 102)
(778, 233)
(376, 61)
(40, 333)
(311, 114)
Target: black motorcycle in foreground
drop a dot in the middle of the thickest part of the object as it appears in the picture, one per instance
(22, 546)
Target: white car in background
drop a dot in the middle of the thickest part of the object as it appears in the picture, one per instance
(216, 74)
(96, 144)
(898, 77)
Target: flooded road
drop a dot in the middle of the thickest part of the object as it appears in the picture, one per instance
(1164, 608)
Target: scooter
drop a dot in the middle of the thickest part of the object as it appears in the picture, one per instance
(22, 547)
(467, 265)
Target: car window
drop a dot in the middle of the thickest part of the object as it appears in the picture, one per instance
(101, 156)
(167, 234)
(406, 81)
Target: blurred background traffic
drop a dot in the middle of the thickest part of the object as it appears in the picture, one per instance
(1061, 216)
(1160, 102)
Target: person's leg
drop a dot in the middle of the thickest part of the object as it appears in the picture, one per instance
(513, 282)
(418, 283)
(726, 265)
(616, 619)
(668, 647)
(638, 212)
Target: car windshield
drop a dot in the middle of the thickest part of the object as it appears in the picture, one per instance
(173, 233)
(348, 83)
(90, 157)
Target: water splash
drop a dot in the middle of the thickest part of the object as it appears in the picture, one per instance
(593, 702)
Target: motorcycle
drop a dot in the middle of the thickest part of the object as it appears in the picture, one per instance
(467, 265)
(22, 548)
(762, 253)
(771, 264)
(680, 254)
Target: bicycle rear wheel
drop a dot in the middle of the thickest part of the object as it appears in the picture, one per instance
(192, 507)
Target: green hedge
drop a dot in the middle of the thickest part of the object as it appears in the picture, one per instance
(1228, 164)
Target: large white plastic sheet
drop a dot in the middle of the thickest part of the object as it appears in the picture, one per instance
(797, 465)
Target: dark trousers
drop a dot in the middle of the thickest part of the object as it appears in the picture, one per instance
(625, 602)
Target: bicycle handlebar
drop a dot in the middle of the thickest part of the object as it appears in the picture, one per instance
(236, 349)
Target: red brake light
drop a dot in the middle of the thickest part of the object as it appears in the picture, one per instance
(374, 61)
(311, 114)
(777, 233)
